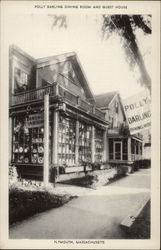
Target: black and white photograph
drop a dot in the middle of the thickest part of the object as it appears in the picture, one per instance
(80, 165)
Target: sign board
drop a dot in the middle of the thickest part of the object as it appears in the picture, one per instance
(138, 112)
(35, 120)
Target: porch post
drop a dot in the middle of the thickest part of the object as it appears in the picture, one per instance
(55, 137)
(129, 148)
(107, 145)
(105, 151)
(46, 141)
(77, 143)
(93, 145)
(141, 150)
(10, 139)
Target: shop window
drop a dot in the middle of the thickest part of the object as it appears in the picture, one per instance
(21, 141)
(66, 145)
(111, 153)
(85, 135)
(21, 80)
(98, 145)
(28, 141)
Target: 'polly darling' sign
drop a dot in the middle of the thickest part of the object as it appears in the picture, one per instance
(138, 113)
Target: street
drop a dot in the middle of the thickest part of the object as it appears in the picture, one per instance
(95, 214)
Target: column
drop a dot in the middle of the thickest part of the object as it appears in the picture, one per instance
(105, 151)
(107, 147)
(55, 137)
(129, 148)
(93, 145)
(77, 143)
(10, 139)
(46, 141)
(141, 150)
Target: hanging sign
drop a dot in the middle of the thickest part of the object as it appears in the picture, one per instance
(138, 112)
(35, 120)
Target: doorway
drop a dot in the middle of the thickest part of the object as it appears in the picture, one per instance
(117, 150)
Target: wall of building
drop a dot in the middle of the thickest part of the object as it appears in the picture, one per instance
(146, 144)
(114, 113)
(62, 73)
(19, 60)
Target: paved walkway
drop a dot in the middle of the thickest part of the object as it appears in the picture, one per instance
(95, 214)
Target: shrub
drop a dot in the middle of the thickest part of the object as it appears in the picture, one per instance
(121, 170)
(146, 163)
(24, 203)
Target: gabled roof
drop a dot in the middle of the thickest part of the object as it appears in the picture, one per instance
(46, 61)
(73, 58)
(14, 49)
(103, 100)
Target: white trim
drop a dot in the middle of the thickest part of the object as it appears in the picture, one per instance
(112, 99)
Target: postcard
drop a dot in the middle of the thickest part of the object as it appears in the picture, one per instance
(80, 124)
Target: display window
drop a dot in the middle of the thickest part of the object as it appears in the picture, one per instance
(98, 145)
(28, 141)
(85, 136)
(66, 141)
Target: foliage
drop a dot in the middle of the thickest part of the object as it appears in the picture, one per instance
(98, 177)
(25, 203)
(124, 130)
(146, 163)
(125, 26)
(59, 20)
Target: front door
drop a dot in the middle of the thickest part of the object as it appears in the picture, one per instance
(117, 150)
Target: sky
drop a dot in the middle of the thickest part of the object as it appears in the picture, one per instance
(104, 61)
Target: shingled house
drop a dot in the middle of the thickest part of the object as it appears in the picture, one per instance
(53, 115)
(122, 147)
(55, 120)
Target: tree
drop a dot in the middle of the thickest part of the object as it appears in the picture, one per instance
(125, 26)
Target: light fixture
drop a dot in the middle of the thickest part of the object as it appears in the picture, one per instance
(62, 106)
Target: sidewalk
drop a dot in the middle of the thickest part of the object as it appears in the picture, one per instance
(95, 214)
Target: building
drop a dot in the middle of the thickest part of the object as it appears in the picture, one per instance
(53, 115)
(122, 147)
(55, 120)
(147, 144)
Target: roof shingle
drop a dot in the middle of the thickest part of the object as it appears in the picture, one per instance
(103, 100)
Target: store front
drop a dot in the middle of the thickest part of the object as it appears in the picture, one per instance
(28, 139)
(74, 139)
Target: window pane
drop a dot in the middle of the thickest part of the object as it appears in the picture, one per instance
(98, 145)
(66, 143)
(21, 79)
(85, 134)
